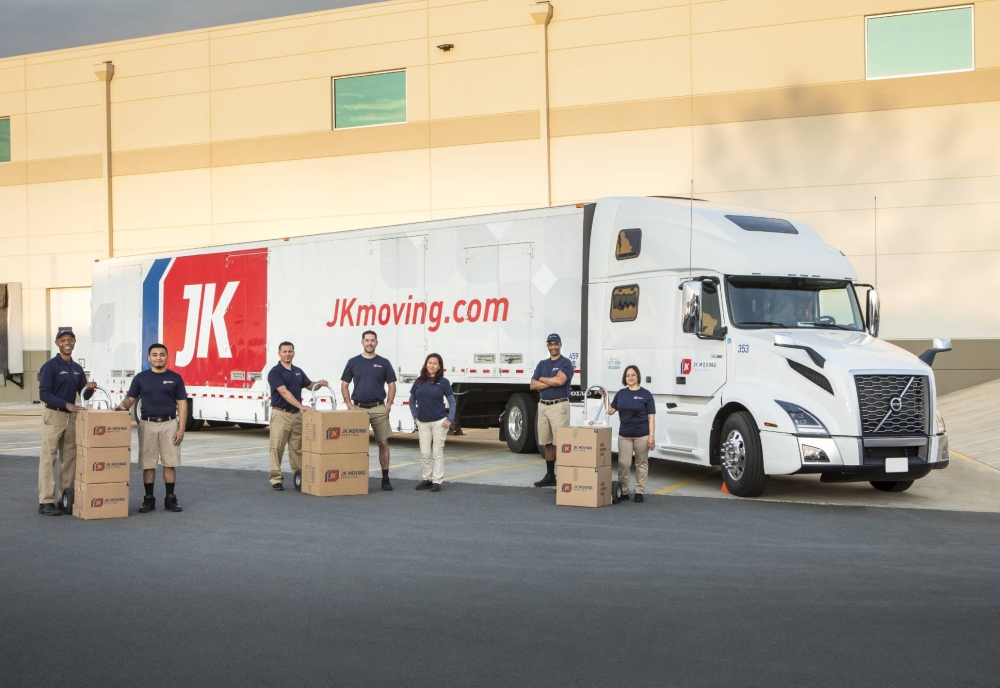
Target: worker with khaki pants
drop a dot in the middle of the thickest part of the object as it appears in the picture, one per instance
(286, 382)
(636, 432)
(552, 379)
(59, 381)
(162, 418)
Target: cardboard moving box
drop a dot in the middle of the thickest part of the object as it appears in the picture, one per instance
(103, 465)
(583, 447)
(331, 475)
(104, 500)
(335, 432)
(103, 428)
(576, 486)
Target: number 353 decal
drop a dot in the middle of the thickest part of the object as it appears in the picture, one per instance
(742, 348)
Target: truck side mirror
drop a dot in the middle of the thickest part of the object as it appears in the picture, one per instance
(691, 307)
(872, 312)
(938, 346)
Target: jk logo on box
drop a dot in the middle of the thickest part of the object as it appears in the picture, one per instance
(567, 487)
(98, 466)
(97, 502)
(333, 433)
(99, 429)
(332, 476)
(567, 448)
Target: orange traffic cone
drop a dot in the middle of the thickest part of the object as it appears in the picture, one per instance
(724, 490)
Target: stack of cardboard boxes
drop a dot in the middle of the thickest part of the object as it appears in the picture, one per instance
(103, 460)
(335, 453)
(583, 466)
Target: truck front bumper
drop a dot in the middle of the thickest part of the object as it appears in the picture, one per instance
(855, 459)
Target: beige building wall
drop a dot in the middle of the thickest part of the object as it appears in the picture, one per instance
(226, 135)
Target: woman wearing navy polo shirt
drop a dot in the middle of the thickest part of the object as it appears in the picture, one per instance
(636, 432)
(427, 398)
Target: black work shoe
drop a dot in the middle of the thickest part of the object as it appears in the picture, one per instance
(277, 486)
(639, 499)
(148, 504)
(436, 487)
(386, 485)
(49, 510)
(624, 497)
(170, 503)
(548, 481)
(424, 485)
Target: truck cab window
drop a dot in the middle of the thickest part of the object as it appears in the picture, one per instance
(625, 303)
(793, 302)
(629, 244)
(711, 309)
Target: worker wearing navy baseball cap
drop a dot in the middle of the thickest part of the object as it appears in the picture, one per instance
(552, 379)
(59, 381)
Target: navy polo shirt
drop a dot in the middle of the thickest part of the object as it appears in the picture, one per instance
(159, 392)
(635, 407)
(370, 376)
(59, 382)
(549, 368)
(293, 380)
(427, 401)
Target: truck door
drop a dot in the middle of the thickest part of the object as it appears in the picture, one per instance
(700, 362)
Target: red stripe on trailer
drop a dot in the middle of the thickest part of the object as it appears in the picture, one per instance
(504, 370)
(577, 370)
(472, 370)
(519, 372)
(486, 370)
(406, 403)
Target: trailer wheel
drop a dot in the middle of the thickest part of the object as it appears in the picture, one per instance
(251, 426)
(66, 501)
(297, 480)
(616, 492)
(197, 424)
(191, 423)
(892, 485)
(520, 423)
(742, 457)
(220, 423)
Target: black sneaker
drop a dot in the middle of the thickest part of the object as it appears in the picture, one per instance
(548, 481)
(423, 485)
(639, 499)
(170, 503)
(49, 510)
(624, 497)
(148, 504)
(436, 487)
(277, 486)
(386, 485)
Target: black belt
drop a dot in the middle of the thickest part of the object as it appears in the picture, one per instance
(369, 405)
(291, 410)
(549, 402)
(57, 408)
(158, 419)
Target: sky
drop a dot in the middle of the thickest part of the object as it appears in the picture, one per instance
(31, 26)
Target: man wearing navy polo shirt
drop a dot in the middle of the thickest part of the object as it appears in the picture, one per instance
(59, 381)
(372, 375)
(287, 382)
(552, 379)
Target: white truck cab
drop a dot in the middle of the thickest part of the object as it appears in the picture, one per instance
(748, 329)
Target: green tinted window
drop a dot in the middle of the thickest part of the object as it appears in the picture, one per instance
(920, 43)
(5, 139)
(360, 101)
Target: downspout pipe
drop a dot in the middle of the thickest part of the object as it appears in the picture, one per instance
(541, 12)
(105, 71)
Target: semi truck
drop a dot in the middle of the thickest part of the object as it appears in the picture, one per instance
(747, 328)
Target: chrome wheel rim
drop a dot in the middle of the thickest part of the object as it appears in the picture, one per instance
(734, 454)
(515, 423)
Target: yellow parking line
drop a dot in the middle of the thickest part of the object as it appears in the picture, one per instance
(495, 468)
(684, 483)
(969, 458)
(12, 449)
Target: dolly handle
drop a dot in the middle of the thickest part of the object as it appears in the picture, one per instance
(604, 403)
(333, 397)
(106, 393)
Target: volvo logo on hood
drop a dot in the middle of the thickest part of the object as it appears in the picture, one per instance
(896, 404)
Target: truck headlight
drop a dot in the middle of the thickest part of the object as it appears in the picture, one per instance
(805, 422)
(940, 423)
(812, 454)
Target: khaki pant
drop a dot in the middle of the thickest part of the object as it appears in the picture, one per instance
(378, 416)
(286, 429)
(58, 444)
(156, 445)
(432, 437)
(626, 447)
(550, 417)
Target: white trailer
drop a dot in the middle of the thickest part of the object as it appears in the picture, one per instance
(746, 327)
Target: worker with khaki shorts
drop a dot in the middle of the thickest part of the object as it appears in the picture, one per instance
(372, 375)
(59, 381)
(162, 418)
(287, 382)
(552, 379)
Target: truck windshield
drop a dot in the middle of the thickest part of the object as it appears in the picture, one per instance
(793, 302)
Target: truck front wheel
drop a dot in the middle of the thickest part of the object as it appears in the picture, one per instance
(892, 485)
(520, 423)
(741, 456)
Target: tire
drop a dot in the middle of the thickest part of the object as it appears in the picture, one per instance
(197, 424)
(297, 481)
(616, 492)
(521, 426)
(250, 426)
(892, 485)
(66, 501)
(134, 411)
(191, 423)
(743, 460)
(220, 423)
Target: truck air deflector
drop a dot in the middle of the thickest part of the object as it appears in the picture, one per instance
(762, 224)
(813, 376)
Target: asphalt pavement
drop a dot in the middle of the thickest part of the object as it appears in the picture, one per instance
(484, 585)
